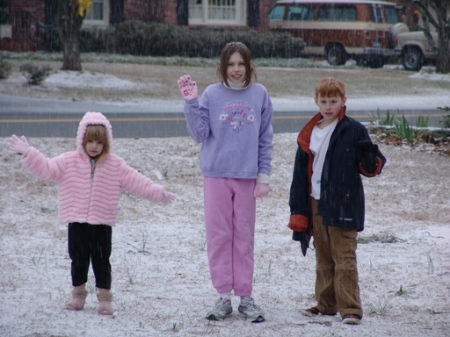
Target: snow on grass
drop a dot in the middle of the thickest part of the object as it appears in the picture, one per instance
(161, 280)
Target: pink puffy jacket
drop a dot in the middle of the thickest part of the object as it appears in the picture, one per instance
(83, 198)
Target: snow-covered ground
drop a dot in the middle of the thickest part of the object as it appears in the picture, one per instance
(160, 275)
(161, 281)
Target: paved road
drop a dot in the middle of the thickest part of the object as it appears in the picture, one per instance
(51, 118)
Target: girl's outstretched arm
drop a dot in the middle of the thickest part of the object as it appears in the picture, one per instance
(143, 187)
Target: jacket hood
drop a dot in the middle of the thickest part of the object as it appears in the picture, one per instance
(93, 118)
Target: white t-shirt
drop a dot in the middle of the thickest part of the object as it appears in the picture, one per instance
(320, 139)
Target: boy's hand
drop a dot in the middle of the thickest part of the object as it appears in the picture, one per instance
(261, 190)
(18, 145)
(367, 153)
(167, 198)
(188, 88)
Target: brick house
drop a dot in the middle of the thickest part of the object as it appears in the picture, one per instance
(24, 23)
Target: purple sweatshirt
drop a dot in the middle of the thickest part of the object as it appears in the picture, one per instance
(235, 129)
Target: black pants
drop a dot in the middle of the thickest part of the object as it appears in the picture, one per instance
(90, 242)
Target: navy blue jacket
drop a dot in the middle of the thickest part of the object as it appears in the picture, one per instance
(342, 194)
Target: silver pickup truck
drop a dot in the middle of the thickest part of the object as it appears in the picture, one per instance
(415, 49)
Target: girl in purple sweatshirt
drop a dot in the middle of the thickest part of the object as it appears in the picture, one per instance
(233, 123)
(90, 181)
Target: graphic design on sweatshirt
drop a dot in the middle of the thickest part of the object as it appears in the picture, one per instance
(237, 114)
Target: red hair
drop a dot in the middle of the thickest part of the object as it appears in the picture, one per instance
(330, 87)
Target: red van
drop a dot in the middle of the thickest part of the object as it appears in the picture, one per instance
(339, 30)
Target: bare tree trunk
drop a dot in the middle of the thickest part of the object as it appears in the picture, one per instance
(443, 55)
(438, 17)
(69, 24)
(443, 58)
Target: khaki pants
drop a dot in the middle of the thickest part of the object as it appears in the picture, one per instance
(337, 287)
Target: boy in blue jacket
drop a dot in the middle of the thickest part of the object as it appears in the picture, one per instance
(327, 199)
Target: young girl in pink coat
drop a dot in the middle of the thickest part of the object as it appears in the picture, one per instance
(90, 181)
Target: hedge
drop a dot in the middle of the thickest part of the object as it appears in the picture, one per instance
(156, 39)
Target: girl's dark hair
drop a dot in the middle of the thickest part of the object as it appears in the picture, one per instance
(229, 49)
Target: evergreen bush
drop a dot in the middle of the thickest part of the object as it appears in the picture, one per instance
(34, 74)
(5, 69)
(156, 39)
(92, 40)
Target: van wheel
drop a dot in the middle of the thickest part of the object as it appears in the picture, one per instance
(412, 58)
(336, 55)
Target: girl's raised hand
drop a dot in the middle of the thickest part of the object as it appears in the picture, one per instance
(18, 145)
(188, 88)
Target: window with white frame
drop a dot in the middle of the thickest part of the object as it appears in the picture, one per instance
(98, 16)
(4, 12)
(217, 12)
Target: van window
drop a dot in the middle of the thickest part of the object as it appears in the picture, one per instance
(301, 12)
(392, 15)
(277, 13)
(376, 14)
(337, 13)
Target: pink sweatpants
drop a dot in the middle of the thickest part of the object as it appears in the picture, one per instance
(230, 209)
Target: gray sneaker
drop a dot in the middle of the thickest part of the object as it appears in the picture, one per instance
(221, 309)
(249, 310)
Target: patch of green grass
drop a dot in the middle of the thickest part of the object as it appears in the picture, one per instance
(422, 122)
(387, 120)
(404, 130)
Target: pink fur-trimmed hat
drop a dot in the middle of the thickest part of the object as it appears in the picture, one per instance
(93, 118)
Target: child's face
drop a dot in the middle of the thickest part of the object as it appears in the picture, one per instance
(94, 148)
(236, 72)
(329, 107)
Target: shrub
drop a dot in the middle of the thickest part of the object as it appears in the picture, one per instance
(156, 39)
(5, 68)
(51, 41)
(92, 40)
(96, 40)
(446, 121)
(34, 74)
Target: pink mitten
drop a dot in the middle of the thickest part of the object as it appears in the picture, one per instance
(261, 190)
(18, 145)
(187, 87)
(167, 198)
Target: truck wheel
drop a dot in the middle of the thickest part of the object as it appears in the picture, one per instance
(412, 58)
(336, 55)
